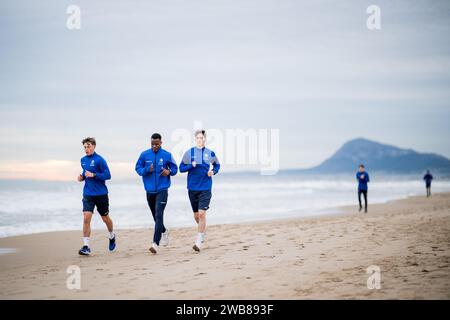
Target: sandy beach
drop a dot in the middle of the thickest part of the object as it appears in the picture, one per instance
(310, 258)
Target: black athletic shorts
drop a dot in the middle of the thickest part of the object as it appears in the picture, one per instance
(101, 202)
(200, 199)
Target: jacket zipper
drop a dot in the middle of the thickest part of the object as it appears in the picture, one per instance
(154, 172)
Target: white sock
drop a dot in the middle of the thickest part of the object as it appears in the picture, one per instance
(111, 235)
(201, 237)
(86, 241)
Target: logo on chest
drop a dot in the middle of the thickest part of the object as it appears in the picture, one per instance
(92, 163)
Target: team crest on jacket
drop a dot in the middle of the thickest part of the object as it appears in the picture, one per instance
(92, 163)
(161, 161)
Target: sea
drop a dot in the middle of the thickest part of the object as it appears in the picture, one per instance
(28, 207)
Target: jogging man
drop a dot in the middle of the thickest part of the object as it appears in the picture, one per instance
(428, 178)
(197, 162)
(155, 166)
(95, 193)
(363, 178)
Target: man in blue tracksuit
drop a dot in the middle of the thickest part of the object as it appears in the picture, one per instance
(155, 166)
(197, 161)
(95, 193)
(428, 178)
(363, 178)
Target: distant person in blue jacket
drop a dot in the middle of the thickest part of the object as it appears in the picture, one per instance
(95, 193)
(201, 164)
(428, 178)
(156, 166)
(363, 178)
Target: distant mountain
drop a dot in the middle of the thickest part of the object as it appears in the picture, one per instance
(381, 157)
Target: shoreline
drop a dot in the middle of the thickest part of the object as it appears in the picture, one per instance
(327, 212)
(323, 257)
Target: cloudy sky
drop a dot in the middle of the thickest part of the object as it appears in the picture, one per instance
(311, 69)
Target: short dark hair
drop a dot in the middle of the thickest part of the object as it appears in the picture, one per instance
(203, 132)
(361, 166)
(89, 140)
(156, 136)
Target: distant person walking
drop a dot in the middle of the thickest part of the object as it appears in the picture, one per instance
(428, 178)
(363, 178)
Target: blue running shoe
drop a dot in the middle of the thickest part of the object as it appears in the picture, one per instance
(112, 243)
(85, 251)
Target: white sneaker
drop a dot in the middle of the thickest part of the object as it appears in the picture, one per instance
(165, 238)
(197, 246)
(154, 248)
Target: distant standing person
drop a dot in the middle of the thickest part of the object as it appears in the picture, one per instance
(363, 178)
(197, 161)
(95, 193)
(156, 166)
(428, 178)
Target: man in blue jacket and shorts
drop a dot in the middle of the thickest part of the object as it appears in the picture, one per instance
(201, 164)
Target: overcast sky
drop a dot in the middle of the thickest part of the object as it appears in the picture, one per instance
(311, 69)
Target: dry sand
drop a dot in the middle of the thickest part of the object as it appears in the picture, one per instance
(310, 258)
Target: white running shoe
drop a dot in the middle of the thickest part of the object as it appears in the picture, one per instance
(154, 248)
(197, 246)
(165, 238)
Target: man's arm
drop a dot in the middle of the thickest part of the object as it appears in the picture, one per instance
(82, 176)
(186, 164)
(215, 163)
(104, 173)
(140, 167)
(173, 166)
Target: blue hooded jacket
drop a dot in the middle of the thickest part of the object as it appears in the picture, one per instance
(198, 179)
(96, 164)
(428, 178)
(154, 181)
(362, 182)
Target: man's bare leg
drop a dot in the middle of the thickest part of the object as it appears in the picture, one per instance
(196, 217)
(87, 217)
(112, 237)
(109, 224)
(201, 221)
(87, 224)
(201, 230)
